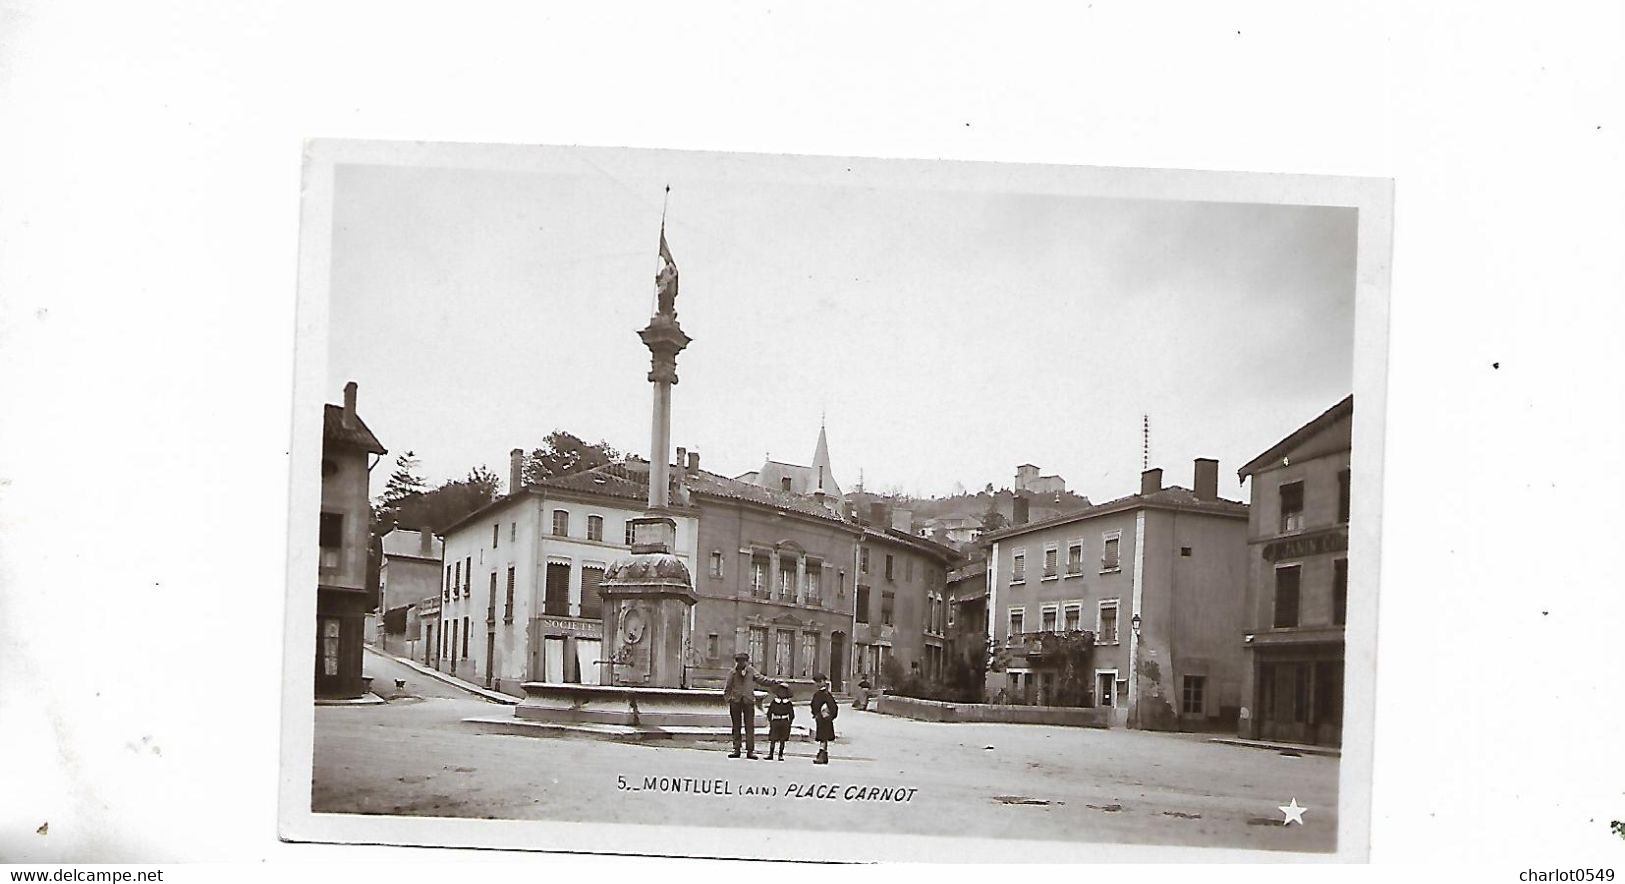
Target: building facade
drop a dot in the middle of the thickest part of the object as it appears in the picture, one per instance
(408, 573)
(900, 603)
(519, 582)
(1297, 583)
(1132, 604)
(967, 622)
(344, 592)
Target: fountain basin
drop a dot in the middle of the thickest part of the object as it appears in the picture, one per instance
(624, 705)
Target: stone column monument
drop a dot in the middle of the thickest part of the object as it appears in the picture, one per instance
(647, 596)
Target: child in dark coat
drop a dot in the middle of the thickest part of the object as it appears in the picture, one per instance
(824, 710)
(780, 713)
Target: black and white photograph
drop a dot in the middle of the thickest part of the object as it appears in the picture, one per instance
(675, 442)
(1016, 502)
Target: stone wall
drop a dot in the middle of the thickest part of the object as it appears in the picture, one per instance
(929, 710)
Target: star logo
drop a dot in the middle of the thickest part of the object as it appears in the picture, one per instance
(1294, 813)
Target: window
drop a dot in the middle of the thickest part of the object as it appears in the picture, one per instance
(888, 566)
(1291, 507)
(595, 528)
(445, 591)
(1074, 558)
(840, 584)
(712, 651)
(468, 577)
(1049, 616)
(863, 603)
(787, 578)
(495, 529)
(809, 654)
(1343, 497)
(332, 530)
(507, 610)
(332, 538)
(1286, 596)
(628, 532)
(1050, 554)
(758, 576)
(1340, 591)
(758, 645)
(1017, 621)
(1193, 693)
(815, 573)
(561, 523)
(1072, 618)
(1185, 552)
(330, 645)
(716, 563)
(1106, 627)
(1018, 568)
(1108, 553)
(457, 582)
(592, 599)
(513, 532)
(465, 638)
(888, 602)
(784, 484)
(782, 648)
(556, 592)
(863, 560)
(951, 607)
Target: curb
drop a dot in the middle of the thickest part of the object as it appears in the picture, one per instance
(1278, 747)
(492, 696)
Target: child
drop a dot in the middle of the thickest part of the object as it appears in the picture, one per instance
(780, 713)
(824, 710)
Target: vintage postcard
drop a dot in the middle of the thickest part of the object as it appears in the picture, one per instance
(831, 508)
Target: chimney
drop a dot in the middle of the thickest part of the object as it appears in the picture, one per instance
(349, 405)
(940, 535)
(694, 463)
(1151, 481)
(682, 459)
(1207, 479)
(516, 471)
(903, 520)
(1019, 511)
(877, 515)
(425, 542)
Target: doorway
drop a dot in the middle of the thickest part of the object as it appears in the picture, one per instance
(837, 661)
(490, 659)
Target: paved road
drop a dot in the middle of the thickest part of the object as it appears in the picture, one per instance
(995, 780)
(385, 670)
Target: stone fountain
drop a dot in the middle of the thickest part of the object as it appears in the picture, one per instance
(648, 597)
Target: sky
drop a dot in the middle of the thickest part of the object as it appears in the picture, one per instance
(944, 335)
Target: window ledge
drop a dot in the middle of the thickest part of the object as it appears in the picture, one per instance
(1048, 577)
(1115, 570)
(1099, 644)
(1021, 582)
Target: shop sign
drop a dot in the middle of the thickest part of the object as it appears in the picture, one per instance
(1334, 541)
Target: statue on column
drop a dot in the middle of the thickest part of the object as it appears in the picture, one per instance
(666, 281)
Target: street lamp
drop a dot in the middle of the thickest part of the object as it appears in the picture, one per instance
(1134, 623)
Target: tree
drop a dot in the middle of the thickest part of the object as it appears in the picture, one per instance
(563, 453)
(451, 501)
(404, 485)
(405, 481)
(993, 520)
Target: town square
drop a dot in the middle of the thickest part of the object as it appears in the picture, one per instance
(1139, 650)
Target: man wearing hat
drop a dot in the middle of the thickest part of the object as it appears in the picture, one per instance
(743, 682)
